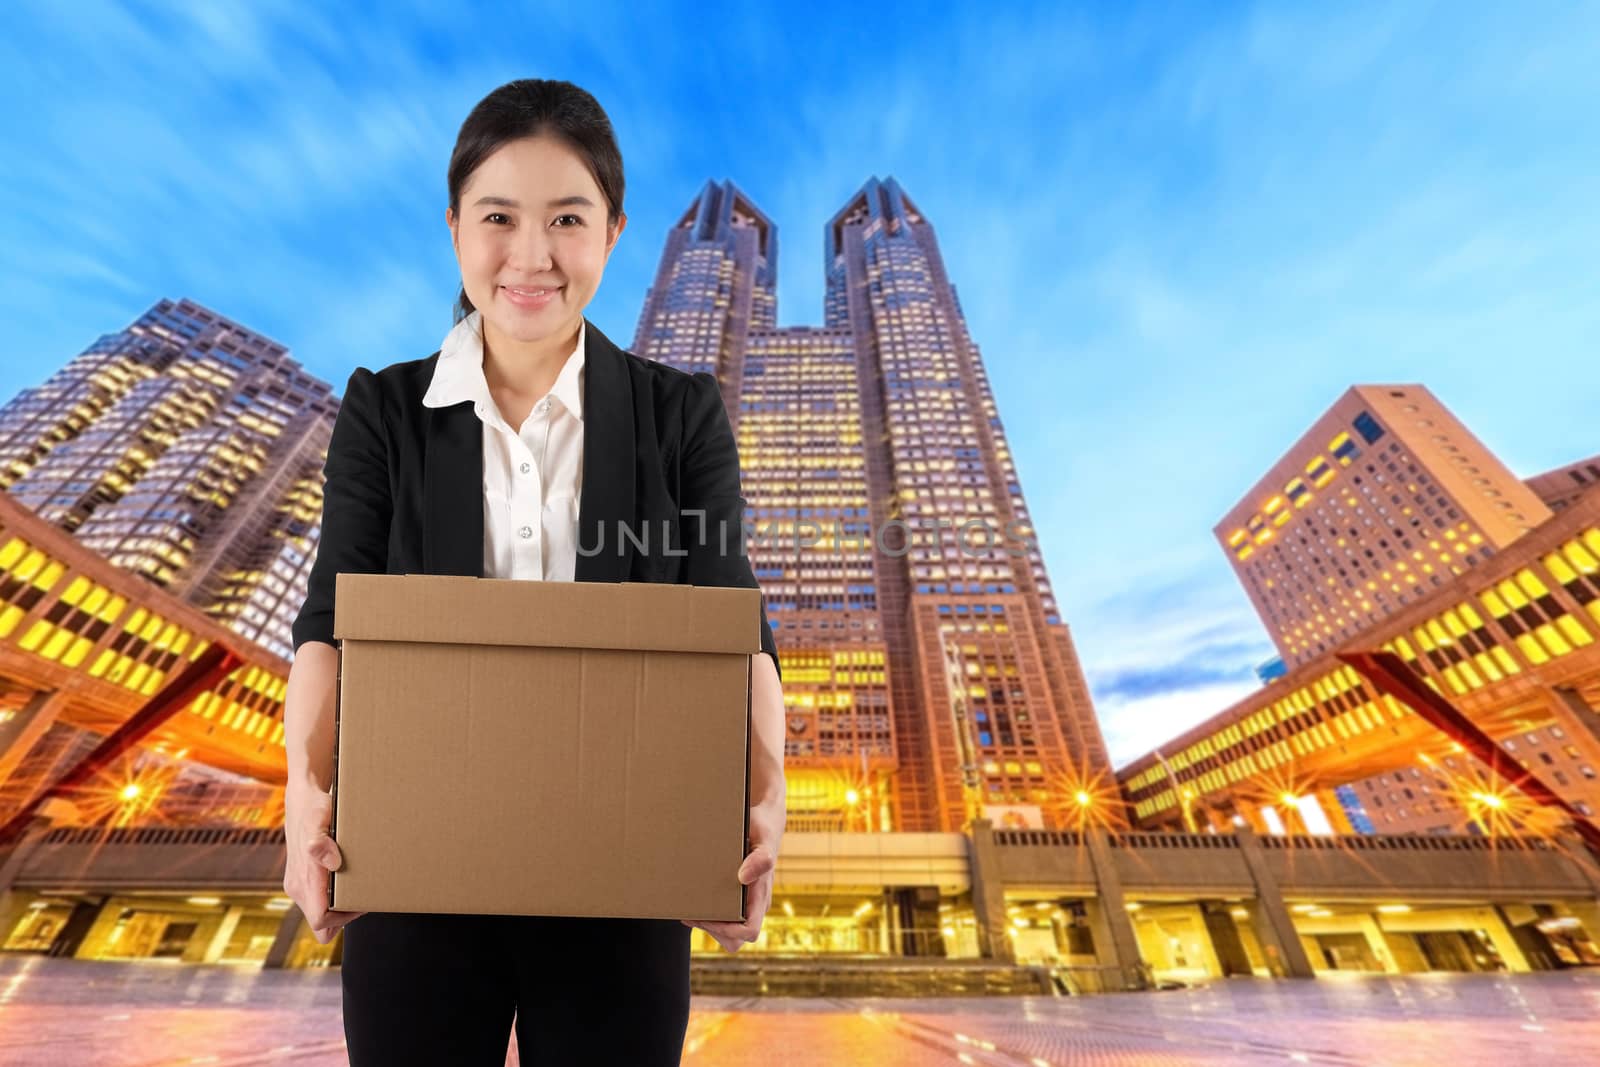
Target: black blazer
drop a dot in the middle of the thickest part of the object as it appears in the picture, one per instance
(404, 489)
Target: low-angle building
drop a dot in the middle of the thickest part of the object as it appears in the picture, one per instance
(1422, 554)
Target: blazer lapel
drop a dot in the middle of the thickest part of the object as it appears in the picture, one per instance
(606, 498)
(452, 492)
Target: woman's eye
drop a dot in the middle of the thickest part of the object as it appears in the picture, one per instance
(574, 218)
(491, 217)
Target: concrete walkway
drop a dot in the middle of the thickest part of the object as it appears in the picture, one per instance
(62, 1013)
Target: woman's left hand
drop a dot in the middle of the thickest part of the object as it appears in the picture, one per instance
(755, 874)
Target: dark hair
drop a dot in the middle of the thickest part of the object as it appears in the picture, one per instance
(533, 107)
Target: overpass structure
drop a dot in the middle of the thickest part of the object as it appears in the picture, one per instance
(1511, 644)
(87, 644)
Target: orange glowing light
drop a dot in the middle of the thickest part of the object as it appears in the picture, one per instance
(1490, 800)
(1087, 797)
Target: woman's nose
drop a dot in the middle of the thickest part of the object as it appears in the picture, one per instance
(531, 250)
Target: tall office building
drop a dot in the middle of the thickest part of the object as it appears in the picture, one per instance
(717, 281)
(1386, 497)
(189, 450)
(927, 672)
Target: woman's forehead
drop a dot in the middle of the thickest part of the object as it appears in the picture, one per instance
(534, 171)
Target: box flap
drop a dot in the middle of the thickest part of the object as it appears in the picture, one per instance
(451, 609)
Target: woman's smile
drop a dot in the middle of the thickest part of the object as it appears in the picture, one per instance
(529, 297)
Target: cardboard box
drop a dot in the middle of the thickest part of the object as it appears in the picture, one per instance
(542, 748)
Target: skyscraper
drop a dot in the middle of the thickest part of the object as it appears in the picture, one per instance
(927, 671)
(1386, 497)
(187, 449)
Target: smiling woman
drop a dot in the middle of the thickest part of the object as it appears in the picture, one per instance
(545, 193)
(510, 453)
(536, 187)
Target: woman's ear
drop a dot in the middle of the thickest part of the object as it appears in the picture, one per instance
(616, 232)
(455, 239)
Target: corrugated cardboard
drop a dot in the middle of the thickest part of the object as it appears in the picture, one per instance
(542, 748)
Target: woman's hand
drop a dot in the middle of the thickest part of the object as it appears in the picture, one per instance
(755, 874)
(312, 853)
(767, 811)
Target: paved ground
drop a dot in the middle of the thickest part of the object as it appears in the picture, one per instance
(62, 1013)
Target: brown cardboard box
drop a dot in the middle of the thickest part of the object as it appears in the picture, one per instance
(542, 748)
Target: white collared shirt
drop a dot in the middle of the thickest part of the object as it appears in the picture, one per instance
(532, 475)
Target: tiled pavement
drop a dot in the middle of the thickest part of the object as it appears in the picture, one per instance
(62, 1013)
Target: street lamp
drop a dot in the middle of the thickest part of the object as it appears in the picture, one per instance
(955, 676)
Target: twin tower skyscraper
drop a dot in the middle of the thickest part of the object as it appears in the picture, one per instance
(927, 673)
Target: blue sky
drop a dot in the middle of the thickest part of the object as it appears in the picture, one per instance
(1178, 232)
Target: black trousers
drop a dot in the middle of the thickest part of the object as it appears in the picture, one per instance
(441, 990)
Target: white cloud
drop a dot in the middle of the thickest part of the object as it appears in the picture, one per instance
(1132, 728)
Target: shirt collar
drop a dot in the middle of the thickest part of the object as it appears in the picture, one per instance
(458, 374)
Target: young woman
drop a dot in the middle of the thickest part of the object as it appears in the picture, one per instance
(525, 437)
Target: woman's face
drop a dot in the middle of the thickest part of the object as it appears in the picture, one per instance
(532, 239)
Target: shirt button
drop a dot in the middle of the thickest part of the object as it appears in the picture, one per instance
(525, 533)
(526, 467)
(544, 405)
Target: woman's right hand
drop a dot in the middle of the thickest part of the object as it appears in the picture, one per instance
(312, 853)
